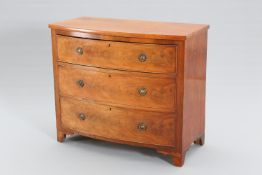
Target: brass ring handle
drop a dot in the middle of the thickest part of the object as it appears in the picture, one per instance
(142, 91)
(142, 57)
(82, 116)
(141, 126)
(81, 83)
(79, 50)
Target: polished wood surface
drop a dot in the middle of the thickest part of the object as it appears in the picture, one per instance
(117, 87)
(118, 123)
(130, 28)
(117, 38)
(104, 91)
(60, 134)
(118, 55)
(194, 88)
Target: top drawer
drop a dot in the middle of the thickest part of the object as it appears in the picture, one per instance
(117, 55)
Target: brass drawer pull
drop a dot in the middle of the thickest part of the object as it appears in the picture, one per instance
(141, 126)
(82, 116)
(79, 50)
(142, 91)
(81, 83)
(142, 57)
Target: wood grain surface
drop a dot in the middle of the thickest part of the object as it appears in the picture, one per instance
(118, 123)
(194, 89)
(130, 28)
(118, 55)
(117, 87)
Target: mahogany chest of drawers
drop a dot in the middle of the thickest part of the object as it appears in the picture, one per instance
(133, 82)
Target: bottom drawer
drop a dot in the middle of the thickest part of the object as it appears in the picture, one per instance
(118, 123)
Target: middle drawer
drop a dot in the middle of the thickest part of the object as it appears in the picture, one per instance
(137, 90)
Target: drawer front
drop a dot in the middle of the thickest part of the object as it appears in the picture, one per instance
(117, 87)
(117, 123)
(117, 55)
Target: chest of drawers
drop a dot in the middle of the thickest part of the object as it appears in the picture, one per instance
(132, 82)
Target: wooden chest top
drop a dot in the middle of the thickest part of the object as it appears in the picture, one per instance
(130, 28)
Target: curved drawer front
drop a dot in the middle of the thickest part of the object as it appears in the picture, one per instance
(117, 55)
(117, 87)
(118, 123)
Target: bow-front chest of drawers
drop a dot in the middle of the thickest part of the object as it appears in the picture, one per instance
(133, 82)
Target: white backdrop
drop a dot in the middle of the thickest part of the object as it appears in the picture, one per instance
(234, 90)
